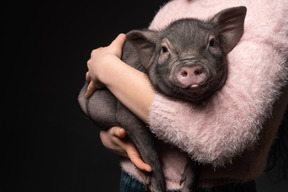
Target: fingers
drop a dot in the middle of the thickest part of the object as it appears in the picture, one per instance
(114, 140)
(130, 149)
(87, 77)
(92, 86)
(115, 48)
(113, 143)
(90, 89)
(135, 157)
(118, 132)
(119, 41)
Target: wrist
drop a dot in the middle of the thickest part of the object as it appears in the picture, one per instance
(131, 86)
(111, 71)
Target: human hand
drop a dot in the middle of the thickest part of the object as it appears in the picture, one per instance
(115, 140)
(100, 59)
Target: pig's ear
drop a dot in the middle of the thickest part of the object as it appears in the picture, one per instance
(144, 42)
(230, 25)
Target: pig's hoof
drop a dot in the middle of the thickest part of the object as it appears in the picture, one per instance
(155, 190)
(158, 185)
(187, 187)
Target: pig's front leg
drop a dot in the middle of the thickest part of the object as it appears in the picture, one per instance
(143, 139)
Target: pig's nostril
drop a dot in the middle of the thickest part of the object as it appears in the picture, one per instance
(198, 72)
(191, 76)
(184, 73)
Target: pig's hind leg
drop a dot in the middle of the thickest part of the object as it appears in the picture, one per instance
(101, 107)
(106, 111)
(143, 139)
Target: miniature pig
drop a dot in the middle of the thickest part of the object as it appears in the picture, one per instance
(186, 60)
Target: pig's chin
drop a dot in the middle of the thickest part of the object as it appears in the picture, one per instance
(194, 94)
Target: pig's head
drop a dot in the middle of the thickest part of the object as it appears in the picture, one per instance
(187, 60)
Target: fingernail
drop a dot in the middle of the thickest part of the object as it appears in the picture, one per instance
(148, 168)
(121, 132)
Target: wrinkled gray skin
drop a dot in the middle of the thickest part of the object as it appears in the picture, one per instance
(187, 61)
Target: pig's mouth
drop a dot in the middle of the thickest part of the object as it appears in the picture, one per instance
(195, 86)
(193, 95)
(195, 92)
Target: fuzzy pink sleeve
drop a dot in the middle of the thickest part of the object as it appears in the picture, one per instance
(232, 119)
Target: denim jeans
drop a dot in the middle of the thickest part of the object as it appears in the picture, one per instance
(129, 184)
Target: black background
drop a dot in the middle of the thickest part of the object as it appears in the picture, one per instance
(47, 143)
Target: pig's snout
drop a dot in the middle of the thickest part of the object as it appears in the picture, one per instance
(191, 76)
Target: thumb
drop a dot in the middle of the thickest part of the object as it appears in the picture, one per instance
(118, 132)
(118, 43)
(92, 87)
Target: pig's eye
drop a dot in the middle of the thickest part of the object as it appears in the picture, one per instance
(164, 49)
(212, 43)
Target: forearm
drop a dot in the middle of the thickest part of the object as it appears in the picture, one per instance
(130, 86)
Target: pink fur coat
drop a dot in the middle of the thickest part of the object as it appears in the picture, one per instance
(220, 132)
